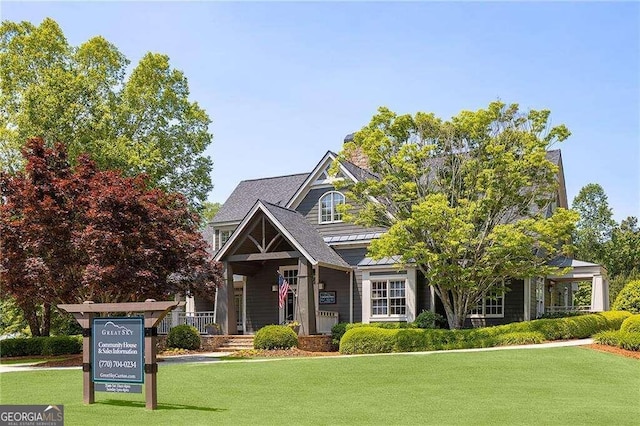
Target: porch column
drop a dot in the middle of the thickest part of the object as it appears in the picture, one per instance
(599, 294)
(226, 312)
(306, 303)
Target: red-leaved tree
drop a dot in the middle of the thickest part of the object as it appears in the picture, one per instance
(70, 234)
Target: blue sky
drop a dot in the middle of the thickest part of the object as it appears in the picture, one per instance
(285, 82)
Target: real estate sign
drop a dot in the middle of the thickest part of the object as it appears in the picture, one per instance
(118, 350)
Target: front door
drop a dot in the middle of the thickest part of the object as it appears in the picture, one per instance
(288, 311)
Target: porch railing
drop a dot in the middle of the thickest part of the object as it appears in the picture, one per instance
(325, 320)
(199, 320)
(553, 309)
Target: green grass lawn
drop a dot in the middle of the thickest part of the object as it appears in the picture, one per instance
(540, 386)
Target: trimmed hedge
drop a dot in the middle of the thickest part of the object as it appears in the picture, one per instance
(622, 339)
(629, 298)
(337, 331)
(184, 337)
(631, 324)
(367, 340)
(275, 337)
(371, 338)
(34, 346)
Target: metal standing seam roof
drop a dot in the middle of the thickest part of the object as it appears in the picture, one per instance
(275, 190)
(305, 235)
(348, 238)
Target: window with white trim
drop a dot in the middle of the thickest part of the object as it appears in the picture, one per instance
(492, 304)
(388, 297)
(223, 236)
(328, 211)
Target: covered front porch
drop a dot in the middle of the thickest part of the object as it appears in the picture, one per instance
(559, 291)
(272, 240)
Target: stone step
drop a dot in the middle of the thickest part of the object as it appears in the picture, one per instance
(236, 343)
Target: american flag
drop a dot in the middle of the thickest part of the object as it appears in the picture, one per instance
(283, 288)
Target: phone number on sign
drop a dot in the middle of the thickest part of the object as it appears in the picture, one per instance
(107, 363)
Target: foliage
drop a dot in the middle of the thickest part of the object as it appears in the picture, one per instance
(629, 298)
(367, 340)
(595, 225)
(622, 339)
(207, 212)
(57, 345)
(561, 314)
(71, 234)
(622, 251)
(615, 318)
(63, 323)
(184, 337)
(137, 121)
(617, 283)
(363, 337)
(428, 319)
(11, 318)
(631, 324)
(519, 338)
(387, 325)
(337, 331)
(275, 337)
(468, 201)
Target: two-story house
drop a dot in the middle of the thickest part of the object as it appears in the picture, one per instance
(290, 225)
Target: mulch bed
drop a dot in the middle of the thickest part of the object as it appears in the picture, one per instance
(76, 360)
(615, 350)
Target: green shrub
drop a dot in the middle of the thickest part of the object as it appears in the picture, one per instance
(184, 337)
(59, 345)
(275, 337)
(631, 324)
(629, 298)
(13, 347)
(428, 319)
(367, 340)
(519, 338)
(386, 325)
(621, 339)
(337, 331)
(34, 346)
(615, 318)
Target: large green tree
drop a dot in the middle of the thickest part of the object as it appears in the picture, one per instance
(465, 200)
(140, 123)
(595, 225)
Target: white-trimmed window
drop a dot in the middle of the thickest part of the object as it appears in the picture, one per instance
(388, 297)
(223, 236)
(328, 211)
(492, 304)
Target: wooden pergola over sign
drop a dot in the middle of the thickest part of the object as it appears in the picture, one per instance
(153, 313)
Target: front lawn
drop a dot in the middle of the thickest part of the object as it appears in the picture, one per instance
(534, 386)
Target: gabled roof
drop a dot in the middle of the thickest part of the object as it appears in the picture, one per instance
(276, 190)
(295, 228)
(349, 170)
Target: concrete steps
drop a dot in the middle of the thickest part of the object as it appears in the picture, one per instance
(236, 343)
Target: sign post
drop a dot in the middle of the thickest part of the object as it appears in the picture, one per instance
(112, 348)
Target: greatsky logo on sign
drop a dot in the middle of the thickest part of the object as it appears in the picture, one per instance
(118, 350)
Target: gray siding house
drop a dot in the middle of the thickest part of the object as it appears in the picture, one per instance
(289, 225)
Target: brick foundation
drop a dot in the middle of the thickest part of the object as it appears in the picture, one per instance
(209, 343)
(319, 343)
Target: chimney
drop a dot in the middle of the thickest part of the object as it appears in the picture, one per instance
(357, 157)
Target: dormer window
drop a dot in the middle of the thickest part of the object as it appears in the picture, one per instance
(328, 207)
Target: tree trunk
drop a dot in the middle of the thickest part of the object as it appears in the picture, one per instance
(31, 315)
(46, 319)
(454, 311)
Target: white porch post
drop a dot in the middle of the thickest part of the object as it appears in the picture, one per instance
(599, 294)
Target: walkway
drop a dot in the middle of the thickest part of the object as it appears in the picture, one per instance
(209, 357)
